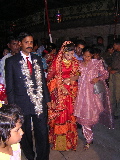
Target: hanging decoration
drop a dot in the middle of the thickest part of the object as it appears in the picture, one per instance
(116, 17)
(58, 17)
(48, 21)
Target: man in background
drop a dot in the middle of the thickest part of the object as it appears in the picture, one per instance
(14, 48)
(114, 83)
(100, 45)
(79, 45)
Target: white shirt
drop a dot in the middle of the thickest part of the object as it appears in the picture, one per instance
(2, 64)
(24, 57)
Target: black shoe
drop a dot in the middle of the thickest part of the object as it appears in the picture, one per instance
(79, 126)
(116, 117)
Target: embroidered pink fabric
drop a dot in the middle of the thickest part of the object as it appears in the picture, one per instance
(89, 106)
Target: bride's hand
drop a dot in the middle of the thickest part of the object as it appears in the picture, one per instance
(95, 80)
(64, 90)
(66, 81)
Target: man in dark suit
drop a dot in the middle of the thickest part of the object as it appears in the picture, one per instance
(26, 87)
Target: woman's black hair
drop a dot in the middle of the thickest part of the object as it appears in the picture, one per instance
(110, 46)
(97, 51)
(82, 42)
(35, 42)
(117, 41)
(50, 47)
(89, 49)
(69, 47)
(9, 116)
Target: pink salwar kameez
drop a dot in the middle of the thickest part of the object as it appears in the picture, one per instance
(90, 106)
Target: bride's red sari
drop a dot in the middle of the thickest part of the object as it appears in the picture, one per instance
(62, 123)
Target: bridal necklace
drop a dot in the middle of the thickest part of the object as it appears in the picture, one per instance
(67, 62)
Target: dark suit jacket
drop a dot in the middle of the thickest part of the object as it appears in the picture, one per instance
(15, 84)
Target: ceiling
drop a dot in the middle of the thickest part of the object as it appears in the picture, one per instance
(14, 9)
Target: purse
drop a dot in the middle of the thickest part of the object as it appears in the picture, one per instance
(99, 87)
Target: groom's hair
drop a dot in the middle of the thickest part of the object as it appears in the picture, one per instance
(22, 35)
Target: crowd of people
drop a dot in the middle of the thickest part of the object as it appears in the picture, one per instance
(55, 92)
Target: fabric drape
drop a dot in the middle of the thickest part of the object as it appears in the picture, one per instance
(63, 130)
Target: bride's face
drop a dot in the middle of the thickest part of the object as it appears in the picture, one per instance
(68, 55)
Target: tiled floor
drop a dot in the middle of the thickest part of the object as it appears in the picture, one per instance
(106, 146)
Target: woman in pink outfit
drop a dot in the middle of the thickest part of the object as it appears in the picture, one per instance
(89, 106)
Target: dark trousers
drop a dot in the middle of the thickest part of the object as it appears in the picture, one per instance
(40, 135)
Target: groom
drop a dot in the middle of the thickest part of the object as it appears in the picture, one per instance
(26, 87)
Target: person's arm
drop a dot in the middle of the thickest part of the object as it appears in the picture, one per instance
(9, 80)
(51, 71)
(69, 80)
(75, 78)
(75, 74)
(44, 84)
(104, 74)
(111, 71)
(115, 65)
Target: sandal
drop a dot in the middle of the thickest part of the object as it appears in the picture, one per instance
(87, 146)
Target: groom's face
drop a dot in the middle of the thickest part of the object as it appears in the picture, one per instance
(26, 45)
